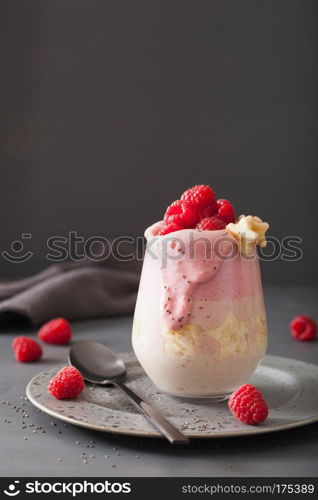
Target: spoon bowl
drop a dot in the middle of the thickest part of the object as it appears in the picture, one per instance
(97, 363)
(100, 365)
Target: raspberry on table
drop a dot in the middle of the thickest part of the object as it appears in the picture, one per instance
(248, 405)
(26, 349)
(211, 224)
(67, 383)
(56, 331)
(182, 214)
(226, 211)
(199, 196)
(303, 328)
(169, 228)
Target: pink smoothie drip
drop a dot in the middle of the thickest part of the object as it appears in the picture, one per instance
(188, 259)
(180, 285)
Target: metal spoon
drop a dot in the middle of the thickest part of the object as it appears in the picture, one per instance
(100, 365)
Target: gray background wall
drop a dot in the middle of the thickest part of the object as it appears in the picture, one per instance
(110, 109)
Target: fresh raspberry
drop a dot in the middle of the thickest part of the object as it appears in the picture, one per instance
(26, 349)
(209, 211)
(67, 383)
(169, 228)
(211, 223)
(56, 331)
(303, 328)
(199, 196)
(226, 211)
(182, 214)
(248, 405)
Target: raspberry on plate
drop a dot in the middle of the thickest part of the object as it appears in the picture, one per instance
(211, 224)
(26, 349)
(56, 331)
(182, 214)
(248, 405)
(303, 328)
(67, 383)
(169, 228)
(226, 211)
(199, 196)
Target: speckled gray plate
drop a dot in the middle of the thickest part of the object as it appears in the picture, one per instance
(289, 387)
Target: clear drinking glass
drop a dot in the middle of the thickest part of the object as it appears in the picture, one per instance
(199, 328)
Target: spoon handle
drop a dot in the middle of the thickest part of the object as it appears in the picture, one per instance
(167, 429)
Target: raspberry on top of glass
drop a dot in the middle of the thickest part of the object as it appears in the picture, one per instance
(199, 209)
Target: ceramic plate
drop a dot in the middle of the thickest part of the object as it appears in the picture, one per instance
(289, 387)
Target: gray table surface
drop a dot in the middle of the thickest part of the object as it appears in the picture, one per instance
(47, 447)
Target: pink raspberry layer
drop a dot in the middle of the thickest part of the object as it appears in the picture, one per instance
(187, 277)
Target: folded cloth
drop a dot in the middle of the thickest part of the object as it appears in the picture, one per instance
(75, 291)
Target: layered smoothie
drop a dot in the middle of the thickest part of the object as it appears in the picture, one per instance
(199, 328)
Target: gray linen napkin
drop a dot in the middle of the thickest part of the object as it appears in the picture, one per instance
(75, 291)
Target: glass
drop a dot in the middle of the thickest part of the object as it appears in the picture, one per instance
(199, 328)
